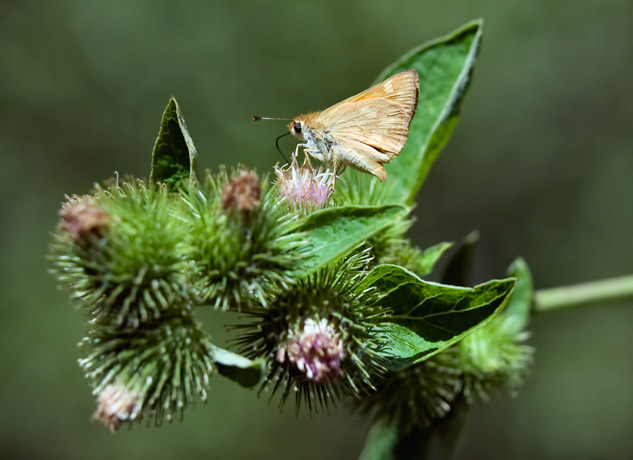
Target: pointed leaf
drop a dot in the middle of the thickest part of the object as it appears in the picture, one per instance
(458, 270)
(444, 66)
(430, 256)
(520, 304)
(333, 232)
(428, 317)
(174, 156)
(236, 367)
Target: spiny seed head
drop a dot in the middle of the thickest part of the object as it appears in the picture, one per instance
(242, 192)
(494, 357)
(235, 262)
(319, 336)
(418, 395)
(83, 219)
(117, 404)
(137, 272)
(361, 189)
(303, 187)
(153, 372)
(315, 351)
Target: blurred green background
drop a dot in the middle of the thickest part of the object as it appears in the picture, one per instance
(541, 163)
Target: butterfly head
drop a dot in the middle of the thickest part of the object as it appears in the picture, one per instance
(297, 127)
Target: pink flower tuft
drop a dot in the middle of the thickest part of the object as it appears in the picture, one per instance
(303, 187)
(316, 351)
(117, 404)
(82, 218)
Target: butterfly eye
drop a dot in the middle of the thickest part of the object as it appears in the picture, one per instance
(297, 128)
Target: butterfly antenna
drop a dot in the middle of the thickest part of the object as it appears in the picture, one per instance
(256, 118)
(279, 150)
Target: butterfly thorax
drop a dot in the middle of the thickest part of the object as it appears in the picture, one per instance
(315, 139)
(318, 144)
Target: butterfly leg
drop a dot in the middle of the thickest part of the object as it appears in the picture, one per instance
(294, 155)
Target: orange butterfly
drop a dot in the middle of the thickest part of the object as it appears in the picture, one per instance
(364, 131)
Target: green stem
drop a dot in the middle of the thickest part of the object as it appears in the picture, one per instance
(612, 289)
(440, 441)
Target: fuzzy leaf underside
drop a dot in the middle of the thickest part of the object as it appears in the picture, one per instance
(444, 67)
(246, 372)
(332, 233)
(174, 155)
(520, 304)
(428, 317)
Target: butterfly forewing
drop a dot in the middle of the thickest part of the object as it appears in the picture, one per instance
(378, 123)
(402, 88)
(378, 117)
(365, 130)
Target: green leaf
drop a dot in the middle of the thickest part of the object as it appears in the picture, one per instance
(332, 233)
(520, 304)
(430, 256)
(428, 317)
(236, 367)
(174, 155)
(444, 66)
(458, 270)
(404, 344)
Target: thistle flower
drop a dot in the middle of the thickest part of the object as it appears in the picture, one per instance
(304, 188)
(152, 372)
(238, 258)
(319, 336)
(136, 271)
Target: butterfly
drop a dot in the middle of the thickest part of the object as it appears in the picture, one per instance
(364, 131)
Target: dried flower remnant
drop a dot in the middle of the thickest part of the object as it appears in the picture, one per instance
(303, 187)
(315, 351)
(117, 404)
(242, 192)
(83, 218)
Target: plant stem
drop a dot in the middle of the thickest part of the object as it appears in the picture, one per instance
(440, 441)
(611, 289)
